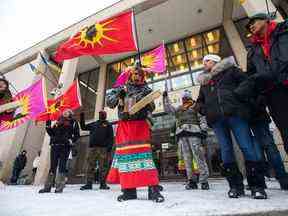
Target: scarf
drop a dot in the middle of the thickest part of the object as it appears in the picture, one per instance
(265, 41)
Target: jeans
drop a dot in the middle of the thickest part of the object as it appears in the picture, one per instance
(242, 134)
(15, 175)
(266, 145)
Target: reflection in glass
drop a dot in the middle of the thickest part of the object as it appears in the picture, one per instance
(181, 81)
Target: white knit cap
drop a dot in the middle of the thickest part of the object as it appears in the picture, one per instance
(212, 57)
(187, 94)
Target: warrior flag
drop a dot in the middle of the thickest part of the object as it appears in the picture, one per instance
(110, 36)
(31, 102)
(70, 99)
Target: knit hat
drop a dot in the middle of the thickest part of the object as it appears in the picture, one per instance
(212, 57)
(186, 94)
(258, 16)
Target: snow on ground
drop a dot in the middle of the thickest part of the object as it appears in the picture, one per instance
(25, 201)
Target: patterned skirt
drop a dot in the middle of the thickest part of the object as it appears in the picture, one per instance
(133, 164)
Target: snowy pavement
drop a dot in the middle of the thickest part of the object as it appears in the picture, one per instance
(25, 201)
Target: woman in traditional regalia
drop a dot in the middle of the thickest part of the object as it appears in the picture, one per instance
(133, 165)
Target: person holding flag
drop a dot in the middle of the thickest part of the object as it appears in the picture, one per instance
(133, 165)
(63, 134)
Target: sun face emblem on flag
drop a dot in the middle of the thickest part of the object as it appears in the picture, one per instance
(148, 60)
(20, 114)
(94, 34)
(55, 107)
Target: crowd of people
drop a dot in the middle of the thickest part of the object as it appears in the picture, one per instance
(230, 101)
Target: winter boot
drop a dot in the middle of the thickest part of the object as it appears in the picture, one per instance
(283, 183)
(191, 185)
(154, 194)
(235, 180)
(104, 186)
(128, 194)
(60, 183)
(87, 186)
(256, 180)
(48, 184)
(205, 186)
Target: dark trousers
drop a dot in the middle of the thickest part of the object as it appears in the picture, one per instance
(58, 157)
(266, 145)
(100, 155)
(277, 102)
(15, 175)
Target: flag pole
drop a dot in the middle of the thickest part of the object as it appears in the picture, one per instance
(136, 36)
(166, 80)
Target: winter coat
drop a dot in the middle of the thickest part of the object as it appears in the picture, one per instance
(62, 134)
(188, 121)
(273, 71)
(133, 91)
(216, 97)
(20, 162)
(101, 133)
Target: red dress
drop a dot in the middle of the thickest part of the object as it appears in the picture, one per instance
(133, 164)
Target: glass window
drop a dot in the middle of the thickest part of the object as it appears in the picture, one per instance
(194, 42)
(181, 81)
(88, 83)
(176, 48)
(195, 76)
(212, 37)
(159, 85)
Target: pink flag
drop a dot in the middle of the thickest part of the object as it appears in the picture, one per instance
(123, 78)
(154, 61)
(32, 102)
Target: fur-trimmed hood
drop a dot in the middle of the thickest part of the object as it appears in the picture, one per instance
(206, 76)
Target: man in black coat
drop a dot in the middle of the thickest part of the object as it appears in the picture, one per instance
(226, 114)
(100, 145)
(19, 165)
(63, 134)
(268, 68)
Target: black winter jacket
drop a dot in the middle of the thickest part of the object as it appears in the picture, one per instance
(274, 71)
(20, 162)
(101, 133)
(63, 134)
(216, 97)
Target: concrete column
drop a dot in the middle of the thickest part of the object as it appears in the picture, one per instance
(101, 89)
(236, 43)
(259, 6)
(66, 79)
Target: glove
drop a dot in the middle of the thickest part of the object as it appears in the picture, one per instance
(122, 93)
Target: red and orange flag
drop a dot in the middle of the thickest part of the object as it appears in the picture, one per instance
(113, 35)
(70, 99)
